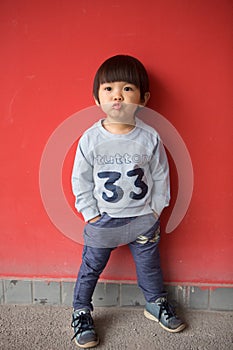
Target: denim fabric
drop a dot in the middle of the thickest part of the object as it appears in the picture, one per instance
(109, 232)
(144, 248)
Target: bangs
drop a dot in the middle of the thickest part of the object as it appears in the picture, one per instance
(116, 71)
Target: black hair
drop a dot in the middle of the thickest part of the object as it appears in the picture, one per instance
(122, 68)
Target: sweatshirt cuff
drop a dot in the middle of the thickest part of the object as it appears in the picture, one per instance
(161, 203)
(90, 213)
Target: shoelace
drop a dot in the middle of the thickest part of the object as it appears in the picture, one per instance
(167, 309)
(83, 322)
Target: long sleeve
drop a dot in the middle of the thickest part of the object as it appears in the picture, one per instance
(160, 193)
(83, 184)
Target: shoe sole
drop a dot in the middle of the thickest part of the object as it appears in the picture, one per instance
(91, 344)
(153, 318)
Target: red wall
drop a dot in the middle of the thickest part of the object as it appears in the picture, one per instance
(50, 51)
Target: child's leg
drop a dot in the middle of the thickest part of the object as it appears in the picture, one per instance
(94, 261)
(145, 251)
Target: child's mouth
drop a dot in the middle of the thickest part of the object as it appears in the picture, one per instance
(117, 105)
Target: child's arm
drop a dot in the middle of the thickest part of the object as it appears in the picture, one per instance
(83, 185)
(160, 176)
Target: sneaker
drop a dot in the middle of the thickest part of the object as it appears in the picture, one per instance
(163, 313)
(84, 332)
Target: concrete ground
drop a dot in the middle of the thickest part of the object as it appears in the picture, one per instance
(44, 327)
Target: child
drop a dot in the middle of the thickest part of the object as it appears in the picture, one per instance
(121, 183)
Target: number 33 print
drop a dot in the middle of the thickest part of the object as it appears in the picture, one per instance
(117, 191)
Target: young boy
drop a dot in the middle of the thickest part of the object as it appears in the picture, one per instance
(121, 183)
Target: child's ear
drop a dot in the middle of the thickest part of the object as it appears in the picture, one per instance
(96, 102)
(146, 98)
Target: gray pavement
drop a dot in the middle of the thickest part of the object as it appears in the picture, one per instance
(46, 327)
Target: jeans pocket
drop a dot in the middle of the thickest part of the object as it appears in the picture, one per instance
(100, 221)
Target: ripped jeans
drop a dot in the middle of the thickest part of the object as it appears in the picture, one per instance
(142, 234)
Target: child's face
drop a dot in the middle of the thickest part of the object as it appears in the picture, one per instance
(119, 98)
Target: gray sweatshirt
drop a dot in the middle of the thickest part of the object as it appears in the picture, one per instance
(124, 175)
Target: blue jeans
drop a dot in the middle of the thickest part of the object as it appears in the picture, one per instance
(145, 251)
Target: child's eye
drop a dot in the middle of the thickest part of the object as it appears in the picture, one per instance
(108, 88)
(128, 88)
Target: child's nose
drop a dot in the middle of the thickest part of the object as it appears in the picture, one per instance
(118, 96)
